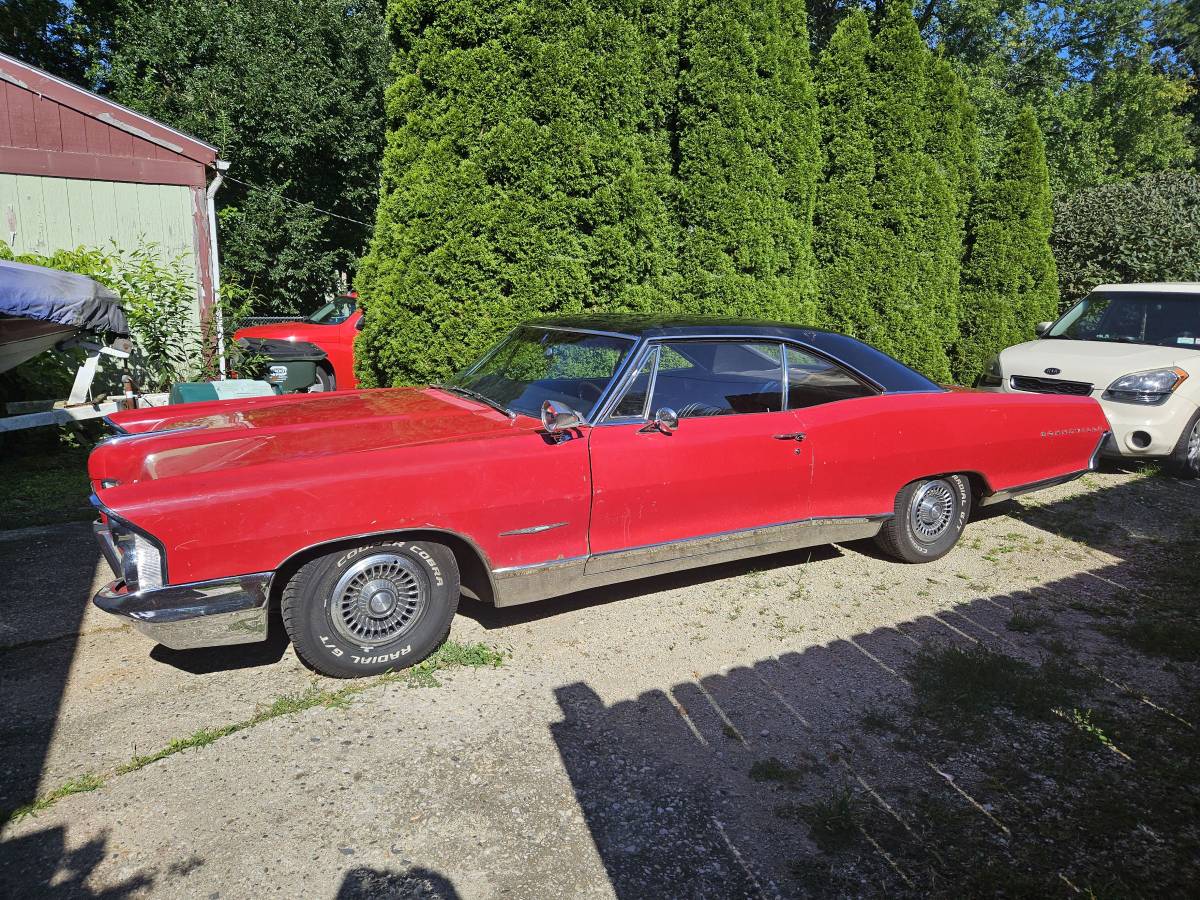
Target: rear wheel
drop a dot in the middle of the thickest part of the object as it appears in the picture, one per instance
(365, 610)
(927, 520)
(1184, 461)
(325, 382)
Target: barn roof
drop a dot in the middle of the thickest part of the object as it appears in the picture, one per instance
(101, 109)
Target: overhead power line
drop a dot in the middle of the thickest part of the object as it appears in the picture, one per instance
(277, 192)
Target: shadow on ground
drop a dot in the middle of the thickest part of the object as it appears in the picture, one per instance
(826, 773)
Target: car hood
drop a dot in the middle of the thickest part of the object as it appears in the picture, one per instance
(1099, 363)
(195, 438)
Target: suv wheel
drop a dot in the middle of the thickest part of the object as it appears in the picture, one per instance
(1184, 461)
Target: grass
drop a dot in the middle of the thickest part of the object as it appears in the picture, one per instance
(1029, 622)
(963, 688)
(833, 821)
(81, 785)
(45, 488)
(779, 772)
(451, 655)
(1167, 636)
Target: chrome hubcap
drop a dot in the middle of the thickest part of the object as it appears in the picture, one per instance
(932, 510)
(1193, 448)
(379, 599)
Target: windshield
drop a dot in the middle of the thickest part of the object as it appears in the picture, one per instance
(533, 365)
(334, 312)
(1133, 318)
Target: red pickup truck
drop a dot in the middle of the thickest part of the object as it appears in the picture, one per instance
(333, 328)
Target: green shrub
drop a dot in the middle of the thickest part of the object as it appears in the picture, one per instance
(1144, 229)
(158, 298)
(1009, 283)
(582, 155)
(845, 232)
(748, 161)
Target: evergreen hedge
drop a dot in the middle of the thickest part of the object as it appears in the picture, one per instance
(1145, 229)
(1010, 281)
(676, 155)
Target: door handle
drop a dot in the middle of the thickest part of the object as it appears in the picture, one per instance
(794, 436)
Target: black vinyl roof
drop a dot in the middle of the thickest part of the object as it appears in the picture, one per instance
(890, 374)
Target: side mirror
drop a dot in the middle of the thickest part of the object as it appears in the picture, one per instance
(1041, 328)
(666, 420)
(555, 419)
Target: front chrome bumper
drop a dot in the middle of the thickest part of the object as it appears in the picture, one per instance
(202, 614)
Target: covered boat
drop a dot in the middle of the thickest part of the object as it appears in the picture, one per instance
(40, 307)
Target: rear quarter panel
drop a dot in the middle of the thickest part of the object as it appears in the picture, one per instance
(862, 452)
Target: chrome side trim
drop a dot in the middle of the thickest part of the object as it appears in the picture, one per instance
(533, 529)
(525, 584)
(202, 614)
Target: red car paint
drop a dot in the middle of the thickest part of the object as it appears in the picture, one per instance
(241, 486)
(336, 340)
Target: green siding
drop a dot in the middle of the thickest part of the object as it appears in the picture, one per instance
(42, 215)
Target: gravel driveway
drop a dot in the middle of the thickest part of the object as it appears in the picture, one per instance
(759, 729)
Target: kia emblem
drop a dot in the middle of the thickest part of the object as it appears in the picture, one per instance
(1053, 371)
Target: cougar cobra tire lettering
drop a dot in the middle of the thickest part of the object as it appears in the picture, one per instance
(372, 608)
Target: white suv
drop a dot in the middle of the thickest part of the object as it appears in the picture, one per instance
(1136, 349)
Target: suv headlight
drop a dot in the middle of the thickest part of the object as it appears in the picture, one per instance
(992, 375)
(141, 556)
(1149, 388)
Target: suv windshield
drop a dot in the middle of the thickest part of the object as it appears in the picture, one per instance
(335, 312)
(1133, 318)
(533, 365)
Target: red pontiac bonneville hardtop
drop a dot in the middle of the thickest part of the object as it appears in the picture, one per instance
(577, 452)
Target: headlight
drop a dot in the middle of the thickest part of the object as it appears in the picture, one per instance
(992, 376)
(1149, 388)
(141, 557)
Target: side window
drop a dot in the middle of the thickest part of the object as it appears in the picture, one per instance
(634, 401)
(718, 378)
(813, 381)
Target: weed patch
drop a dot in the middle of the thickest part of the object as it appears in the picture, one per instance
(1028, 622)
(80, 785)
(1161, 637)
(833, 821)
(962, 688)
(779, 772)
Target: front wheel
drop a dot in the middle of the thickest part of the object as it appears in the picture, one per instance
(365, 610)
(1184, 461)
(928, 519)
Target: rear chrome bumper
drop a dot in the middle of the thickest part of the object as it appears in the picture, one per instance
(202, 614)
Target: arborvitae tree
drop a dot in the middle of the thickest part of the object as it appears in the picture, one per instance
(845, 235)
(515, 178)
(915, 311)
(953, 138)
(748, 160)
(1009, 282)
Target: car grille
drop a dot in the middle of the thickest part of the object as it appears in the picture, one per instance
(1050, 386)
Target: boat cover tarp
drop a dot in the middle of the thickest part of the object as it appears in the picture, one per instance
(35, 292)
